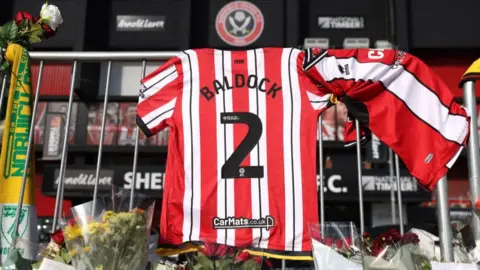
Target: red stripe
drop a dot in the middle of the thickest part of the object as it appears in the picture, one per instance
(172, 207)
(426, 76)
(243, 196)
(275, 159)
(208, 144)
(308, 139)
(386, 57)
(163, 67)
(383, 111)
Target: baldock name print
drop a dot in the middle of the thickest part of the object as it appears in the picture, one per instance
(240, 81)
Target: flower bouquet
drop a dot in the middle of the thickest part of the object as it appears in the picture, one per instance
(26, 29)
(112, 237)
(336, 249)
(56, 249)
(393, 251)
(213, 256)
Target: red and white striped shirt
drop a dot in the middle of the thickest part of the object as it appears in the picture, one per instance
(401, 100)
(241, 166)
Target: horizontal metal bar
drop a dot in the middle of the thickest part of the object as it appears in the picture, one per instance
(102, 56)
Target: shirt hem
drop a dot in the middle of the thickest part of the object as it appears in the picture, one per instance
(275, 252)
(450, 157)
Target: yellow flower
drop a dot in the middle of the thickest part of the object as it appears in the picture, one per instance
(99, 267)
(94, 227)
(108, 215)
(73, 252)
(86, 249)
(72, 232)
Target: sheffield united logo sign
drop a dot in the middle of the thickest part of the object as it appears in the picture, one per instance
(239, 23)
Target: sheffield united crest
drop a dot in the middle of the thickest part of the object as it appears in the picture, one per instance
(239, 23)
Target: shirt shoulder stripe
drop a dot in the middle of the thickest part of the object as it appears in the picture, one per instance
(312, 57)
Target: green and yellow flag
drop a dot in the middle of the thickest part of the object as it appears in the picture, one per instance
(13, 158)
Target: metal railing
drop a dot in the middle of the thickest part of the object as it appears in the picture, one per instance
(143, 57)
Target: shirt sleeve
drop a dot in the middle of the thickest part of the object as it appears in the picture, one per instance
(158, 95)
(401, 100)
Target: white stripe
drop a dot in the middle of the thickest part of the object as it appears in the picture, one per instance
(262, 113)
(229, 145)
(260, 203)
(158, 82)
(318, 102)
(297, 157)
(197, 184)
(317, 59)
(153, 118)
(454, 158)
(187, 154)
(220, 147)
(254, 154)
(420, 100)
(287, 150)
(316, 98)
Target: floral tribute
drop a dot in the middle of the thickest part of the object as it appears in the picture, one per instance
(26, 29)
(217, 256)
(391, 238)
(118, 241)
(391, 249)
(57, 248)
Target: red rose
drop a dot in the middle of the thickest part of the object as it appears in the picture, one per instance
(329, 242)
(209, 249)
(72, 222)
(47, 31)
(222, 250)
(257, 260)
(215, 250)
(21, 16)
(231, 252)
(241, 257)
(376, 251)
(267, 263)
(366, 235)
(57, 237)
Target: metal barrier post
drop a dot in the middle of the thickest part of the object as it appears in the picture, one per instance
(443, 217)
(102, 134)
(470, 102)
(135, 153)
(320, 171)
(392, 184)
(63, 162)
(3, 89)
(359, 170)
(399, 195)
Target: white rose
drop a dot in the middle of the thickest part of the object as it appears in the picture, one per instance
(51, 15)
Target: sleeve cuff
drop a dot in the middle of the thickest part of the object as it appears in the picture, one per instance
(143, 126)
(363, 141)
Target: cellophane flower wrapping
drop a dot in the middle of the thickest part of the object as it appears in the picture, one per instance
(393, 251)
(111, 236)
(339, 248)
(212, 256)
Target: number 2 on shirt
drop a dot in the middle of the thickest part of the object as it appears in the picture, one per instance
(232, 168)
